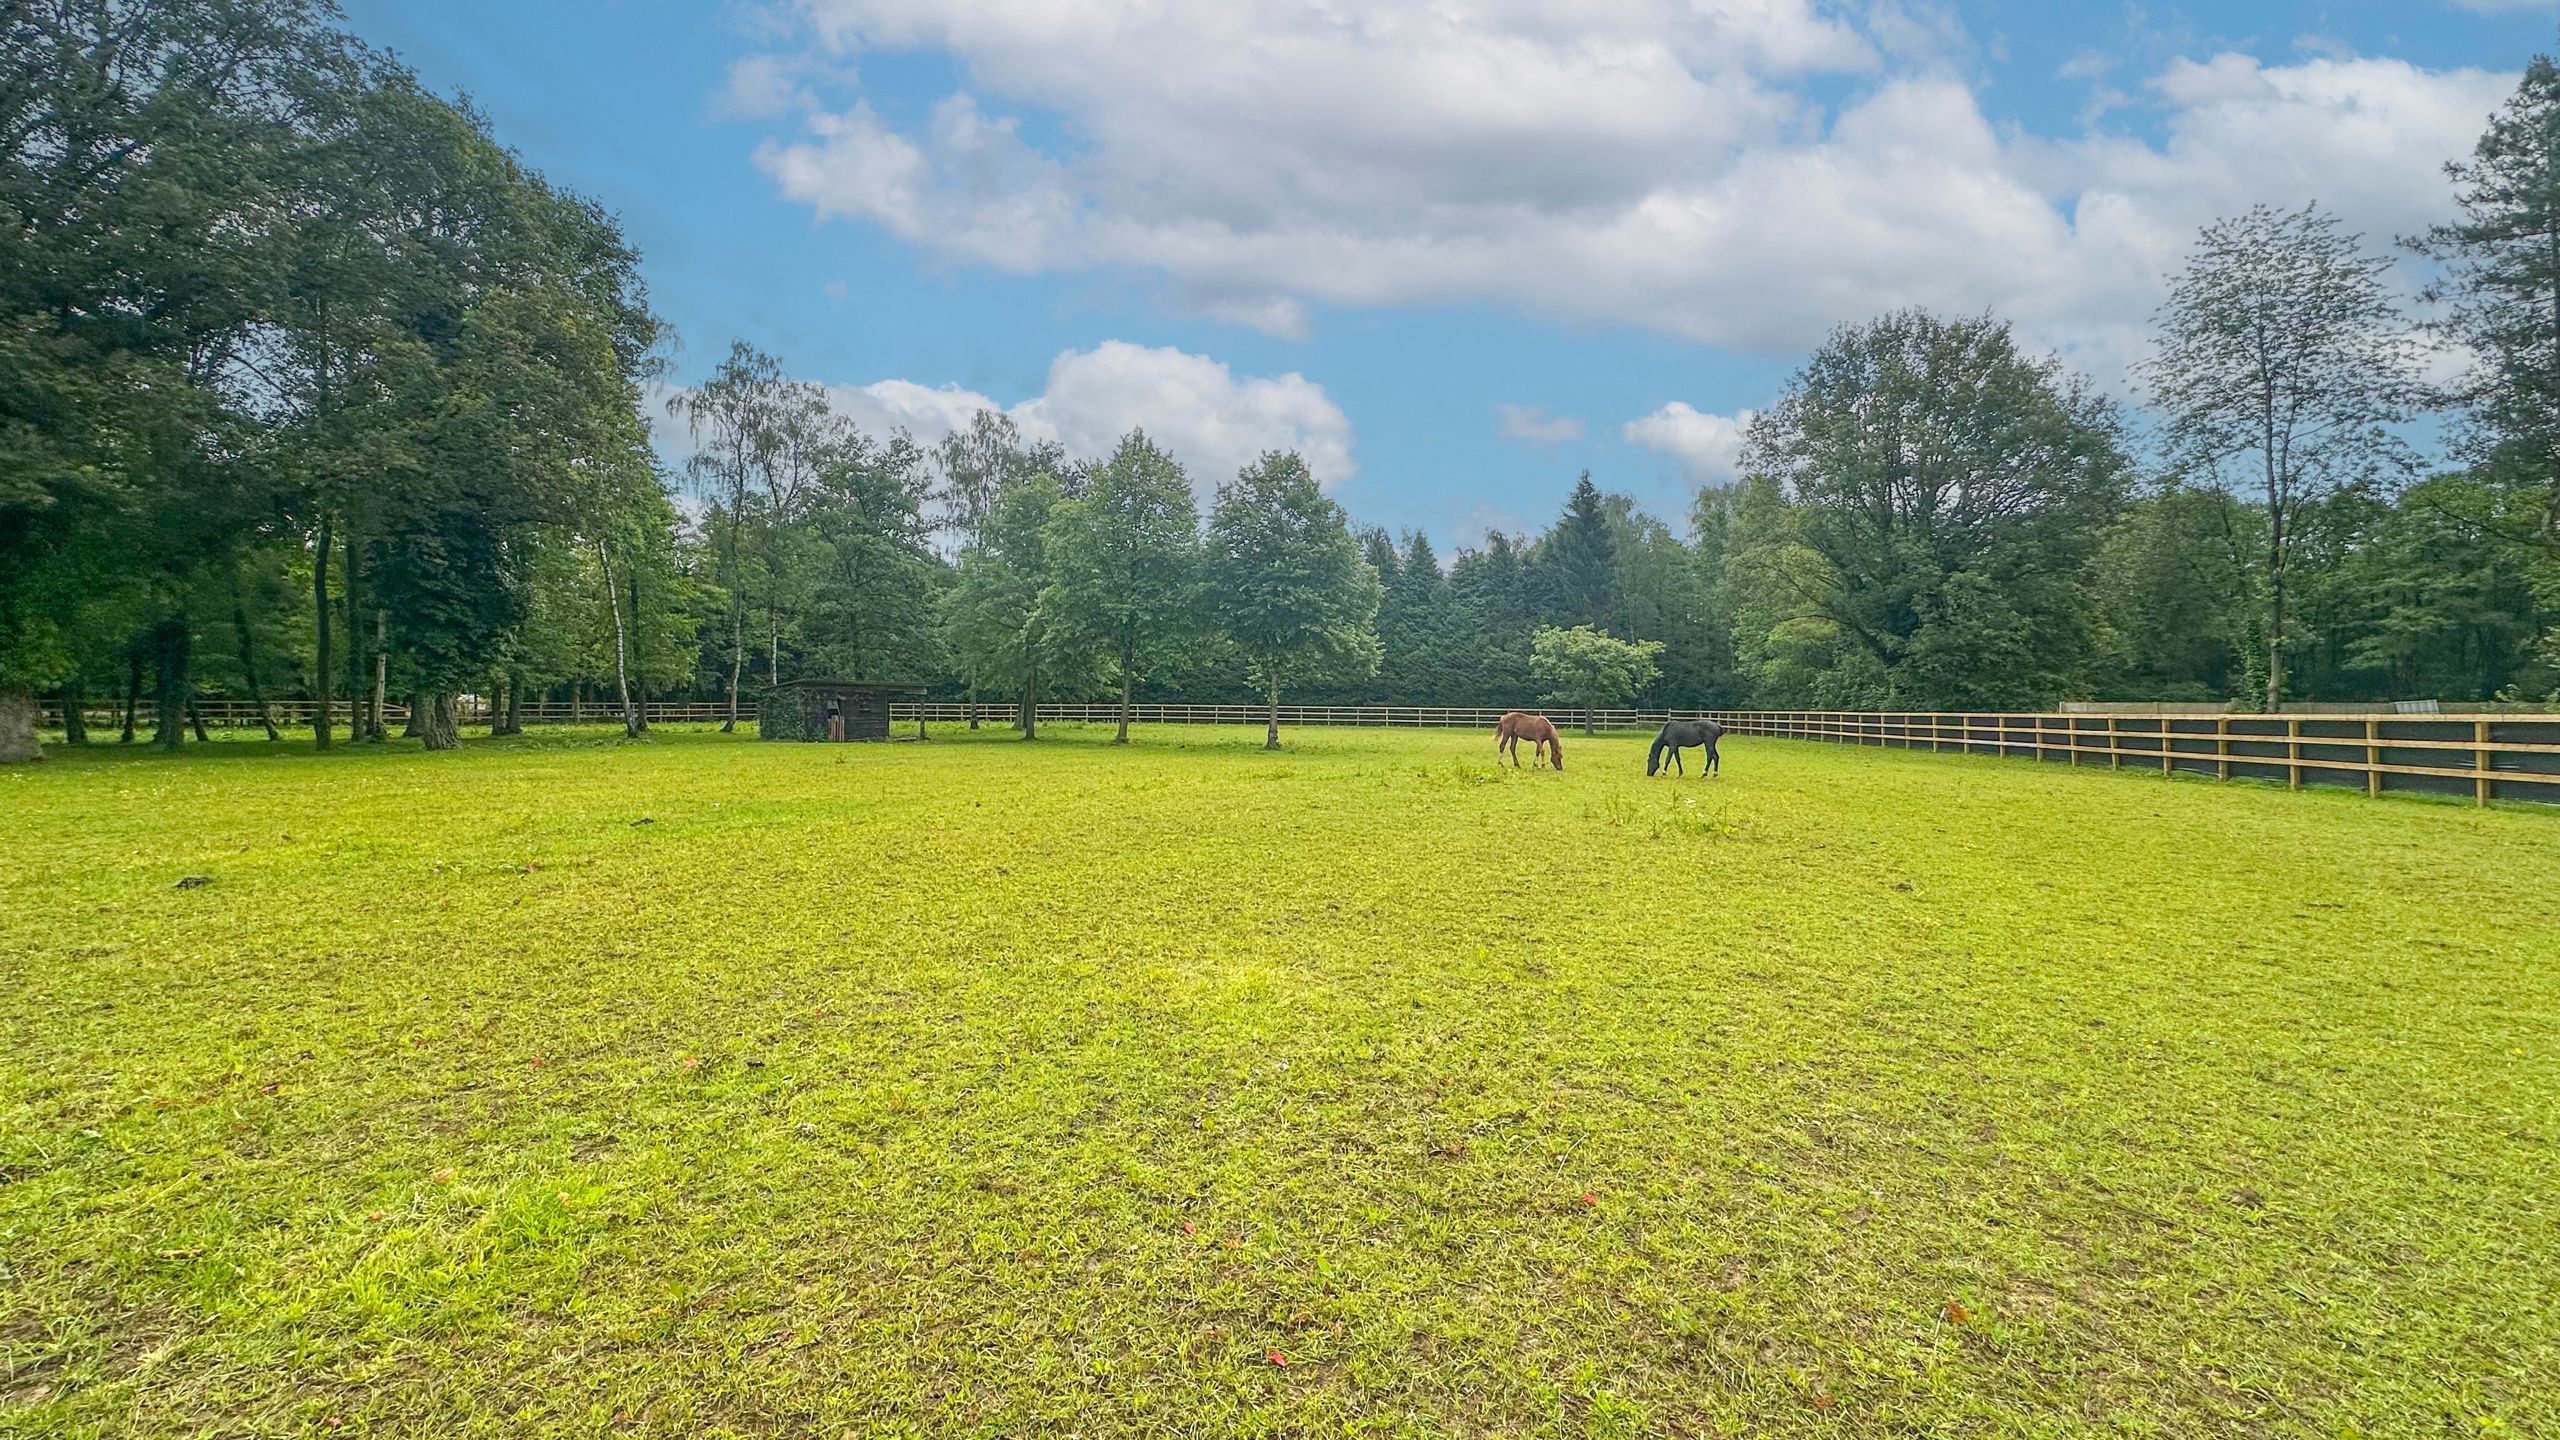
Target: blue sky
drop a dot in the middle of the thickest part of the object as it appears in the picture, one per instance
(1457, 252)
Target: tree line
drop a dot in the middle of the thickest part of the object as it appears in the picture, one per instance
(310, 388)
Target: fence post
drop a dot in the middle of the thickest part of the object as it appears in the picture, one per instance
(2115, 745)
(2168, 749)
(2222, 747)
(2481, 760)
(2372, 758)
(2293, 752)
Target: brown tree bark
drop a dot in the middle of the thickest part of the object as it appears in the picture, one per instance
(437, 729)
(75, 724)
(170, 643)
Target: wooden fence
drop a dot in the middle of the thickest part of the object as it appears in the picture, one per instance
(2482, 756)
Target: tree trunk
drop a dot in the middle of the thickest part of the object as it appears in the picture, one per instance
(577, 702)
(737, 663)
(323, 683)
(1589, 726)
(2275, 614)
(195, 720)
(374, 729)
(621, 675)
(350, 582)
(169, 657)
(132, 689)
(1271, 731)
(75, 725)
(438, 729)
(515, 703)
(639, 659)
(1123, 737)
(971, 698)
(417, 726)
(1031, 706)
(249, 660)
(18, 725)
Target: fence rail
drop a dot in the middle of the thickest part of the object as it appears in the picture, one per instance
(2484, 755)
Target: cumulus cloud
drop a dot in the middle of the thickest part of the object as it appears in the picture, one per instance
(1660, 163)
(1532, 425)
(1212, 420)
(1707, 447)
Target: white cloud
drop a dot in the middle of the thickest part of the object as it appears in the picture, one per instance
(1532, 425)
(1708, 447)
(1657, 163)
(1211, 420)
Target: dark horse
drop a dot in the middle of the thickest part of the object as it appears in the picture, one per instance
(1680, 734)
(1519, 725)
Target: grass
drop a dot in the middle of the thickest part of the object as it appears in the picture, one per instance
(706, 1088)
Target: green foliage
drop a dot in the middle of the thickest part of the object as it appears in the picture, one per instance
(1123, 558)
(1287, 582)
(1833, 1042)
(1929, 502)
(2283, 364)
(1589, 668)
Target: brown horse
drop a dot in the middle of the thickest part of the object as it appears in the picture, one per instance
(1520, 725)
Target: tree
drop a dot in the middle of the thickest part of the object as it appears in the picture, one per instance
(1923, 491)
(869, 612)
(129, 123)
(762, 441)
(2282, 364)
(1123, 558)
(1577, 561)
(1287, 583)
(992, 619)
(2176, 613)
(2500, 286)
(1588, 668)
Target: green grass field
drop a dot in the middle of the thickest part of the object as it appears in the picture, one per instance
(707, 1088)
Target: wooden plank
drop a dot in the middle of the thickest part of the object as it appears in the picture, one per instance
(2485, 762)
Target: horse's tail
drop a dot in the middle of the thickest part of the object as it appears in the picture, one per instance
(1653, 757)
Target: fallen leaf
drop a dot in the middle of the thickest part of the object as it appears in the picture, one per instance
(443, 1176)
(1590, 1199)
(1956, 1314)
(1821, 1402)
(1190, 1229)
(1277, 1358)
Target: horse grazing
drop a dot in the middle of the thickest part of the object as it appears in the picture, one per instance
(1682, 733)
(1520, 725)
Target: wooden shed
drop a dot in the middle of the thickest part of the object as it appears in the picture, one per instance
(830, 710)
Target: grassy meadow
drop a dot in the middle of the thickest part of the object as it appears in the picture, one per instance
(569, 1087)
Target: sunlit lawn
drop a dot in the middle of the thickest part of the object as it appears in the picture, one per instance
(704, 1087)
